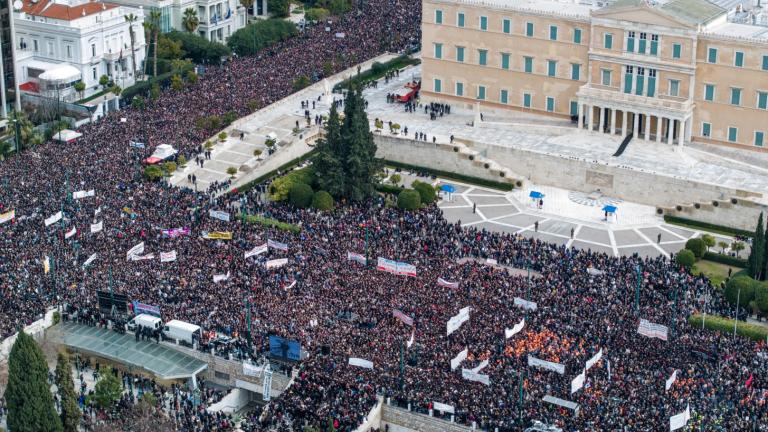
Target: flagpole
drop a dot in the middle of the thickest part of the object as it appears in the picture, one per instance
(736, 314)
(637, 289)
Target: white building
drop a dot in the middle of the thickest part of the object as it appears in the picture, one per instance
(218, 19)
(60, 42)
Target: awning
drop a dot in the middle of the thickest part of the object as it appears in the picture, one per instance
(61, 74)
(610, 209)
(536, 194)
(67, 136)
(448, 188)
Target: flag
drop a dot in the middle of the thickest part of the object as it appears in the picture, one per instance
(89, 260)
(468, 375)
(386, 265)
(410, 341)
(5, 217)
(679, 421)
(670, 381)
(508, 333)
(351, 256)
(596, 358)
(460, 357)
(218, 214)
(168, 256)
(142, 257)
(70, 233)
(447, 283)
(750, 380)
(257, 250)
(136, 250)
(402, 317)
(578, 382)
(97, 227)
(46, 264)
(274, 244)
(220, 277)
(176, 232)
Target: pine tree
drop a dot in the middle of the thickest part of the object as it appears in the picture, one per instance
(360, 162)
(328, 168)
(757, 254)
(28, 395)
(70, 412)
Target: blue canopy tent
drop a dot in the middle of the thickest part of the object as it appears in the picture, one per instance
(448, 189)
(536, 195)
(610, 210)
(537, 199)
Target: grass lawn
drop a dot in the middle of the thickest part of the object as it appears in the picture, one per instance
(716, 272)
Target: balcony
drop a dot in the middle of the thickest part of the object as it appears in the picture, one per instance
(112, 56)
(613, 97)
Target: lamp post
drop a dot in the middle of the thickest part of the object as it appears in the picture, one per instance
(17, 135)
(736, 312)
(638, 276)
(248, 322)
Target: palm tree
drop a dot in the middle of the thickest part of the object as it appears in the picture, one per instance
(247, 5)
(130, 19)
(190, 20)
(154, 20)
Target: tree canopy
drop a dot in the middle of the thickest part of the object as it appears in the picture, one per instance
(254, 37)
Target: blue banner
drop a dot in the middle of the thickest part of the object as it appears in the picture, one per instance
(141, 308)
(284, 348)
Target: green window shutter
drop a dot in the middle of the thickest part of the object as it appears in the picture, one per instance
(507, 26)
(529, 29)
(609, 41)
(765, 62)
(628, 83)
(735, 96)
(654, 47)
(504, 97)
(759, 138)
(639, 83)
(527, 100)
(460, 54)
(482, 57)
(641, 46)
(551, 67)
(574, 108)
(481, 92)
(651, 86)
(438, 16)
(505, 61)
(575, 72)
(438, 85)
(528, 64)
(460, 20)
(577, 36)
(733, 134)
(483, 23)
(738, 59)
(712, 55)
(762, 100)
(459, 89)
(709, 92)
(553, 33)
(676, 50)
(706, 129)
(438, 51)
(631, 44)
(550, 104)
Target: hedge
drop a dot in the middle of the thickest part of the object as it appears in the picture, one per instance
(721, 229)
(725, 325)
(390, 189)
(269, 222)
(451, 175)
(377, 71)
(725, 259)
(290, 164)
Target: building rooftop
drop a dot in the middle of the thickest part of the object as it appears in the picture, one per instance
(565, 7)
(741, 31)
(62, 9)
(693, 11)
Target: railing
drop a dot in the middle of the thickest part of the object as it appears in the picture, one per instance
(594, 90)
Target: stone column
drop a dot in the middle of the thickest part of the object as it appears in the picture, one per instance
(636, 124)
(624, 123)
(613, 121)
(670, 130)
(590, 110)
(601, 120)
(647, 127)
(659, 122)
(580, 115)
(681, 134)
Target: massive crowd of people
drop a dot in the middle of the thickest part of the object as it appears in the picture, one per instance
(338, 308)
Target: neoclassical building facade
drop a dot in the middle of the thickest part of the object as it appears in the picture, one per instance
(672, 71)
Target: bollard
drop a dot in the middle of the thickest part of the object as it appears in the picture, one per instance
(389, 401)
(431, 413)
(474, 425)
(409, 406)
(452, 420)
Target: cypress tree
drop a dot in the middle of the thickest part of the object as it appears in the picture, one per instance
(360, 161)
(757, 254)
(70, 412)
(28, 395)
(328, 168)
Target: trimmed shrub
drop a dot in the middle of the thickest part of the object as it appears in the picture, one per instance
(726, 259)
(269, 222)
(697, 246)
(281, 187)
(390, 189)
(169, 167)
(451, 175)
(685, 258)
(725, 325)
(254, 37)
(322, 200)
(761, 297)
(300, 195)
(426, 192)
(721, 229)
(316, 14)
(408, 199)
(290, 164)
(153, 172)
(746, 285)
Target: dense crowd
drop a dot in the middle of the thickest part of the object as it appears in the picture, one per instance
(339, 309)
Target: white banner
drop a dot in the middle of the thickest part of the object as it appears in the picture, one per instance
(257, 250)
(7, 216)
(142, 257)
(136, 250)
(220, 215)
(53, 219)
(679, 421)
(525, 304)
(410, 341)
(595, 358)
(480, 367)
(647, 328)
(437, 406)
(168, 256)
(252, 370)
(555, 367)
(89, 260)
(354, 361)
(578, 382)
(448, 284)
(266, 391)
(468, 375)
(594, 272)
(97, 227)
(671, 380)
(220, 277)
(457, 320)
(456, 361)
(277, 263)
(491, 261)
(71, 232)
(274, 244)
(83, 194)
(508, 333)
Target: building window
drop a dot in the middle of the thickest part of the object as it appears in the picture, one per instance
(654, 45)
(642, 44)
(438, 50)
(460, 54)
(765, 62)
(735, 96)
(35, 46)
(651, 83)
(738, 59)
(608, 41)
(628, 75)
(460, 19)
(676, 50)
(504, 97)
(93, 50)
(574, 108)
(528, 64)
(605, 77)
(575, 71)
(483, 23)
(640, 83)
(733, 134)
(529, 29)
(762, 100)
(506, 26)
(482, 57)
(577, 36)
(69, 51)
(759, 136)
(50, 48)
(709, 92)
(712, 55)
(674, 88)
(94, 73)
(481, 92)
(438, 16)
(505, 61)
(526, 100)
(438, 85)
(553, 33)
(551, 68)
(550, 104)
(631, 41)
(459, 89)
(706, 129)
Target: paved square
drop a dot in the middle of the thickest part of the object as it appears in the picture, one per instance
(483, 200)
(627, 237)
(522, 220)
(644, 251)
(498, 211)
(595, 248)
(594, 235)
(491, 226)
(557, 227)
(463, 214)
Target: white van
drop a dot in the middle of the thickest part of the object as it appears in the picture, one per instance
(182, 331)
(145, 320)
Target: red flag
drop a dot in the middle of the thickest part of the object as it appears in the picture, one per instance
(750, 380)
